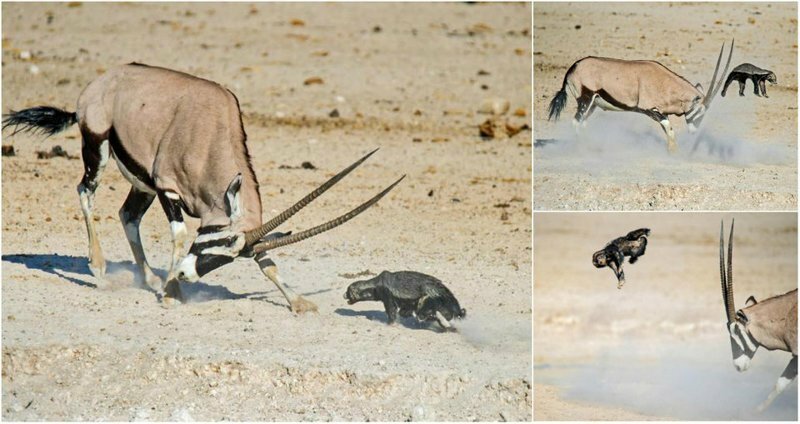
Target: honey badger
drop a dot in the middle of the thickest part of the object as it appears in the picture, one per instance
(409, 293)
(747, 71)
(613, 255)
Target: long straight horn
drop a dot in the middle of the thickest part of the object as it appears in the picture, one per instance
(254, 235)
(729, 304)
(713, 89)
(722, 275)
(294, 238)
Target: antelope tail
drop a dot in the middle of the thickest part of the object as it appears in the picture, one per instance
(41, 119)
(560, 100)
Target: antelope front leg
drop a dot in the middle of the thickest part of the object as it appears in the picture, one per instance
(95, 152)
(672, 147)
(298, 304)
(130, 214)
(171, 204)
(789, 374)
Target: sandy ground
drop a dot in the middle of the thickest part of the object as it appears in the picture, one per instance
(657, 348)
(405, 78)
(744, 157)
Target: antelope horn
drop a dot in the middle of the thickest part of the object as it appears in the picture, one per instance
(255, 234)
(713, 89)
(722, 276)
(730, 304)
(294, 238)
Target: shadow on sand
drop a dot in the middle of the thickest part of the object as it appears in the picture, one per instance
(381, 317)
(76, 270)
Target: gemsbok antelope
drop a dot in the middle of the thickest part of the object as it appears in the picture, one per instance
(771, 323)
(179, 138)
(642, 86)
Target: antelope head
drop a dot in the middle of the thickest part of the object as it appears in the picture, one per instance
(701, 104)
(743, 346)
(216, 246)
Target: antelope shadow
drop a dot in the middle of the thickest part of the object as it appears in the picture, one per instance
(74, 268)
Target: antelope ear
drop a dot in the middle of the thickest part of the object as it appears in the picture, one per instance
(750, 301)
(233, 201)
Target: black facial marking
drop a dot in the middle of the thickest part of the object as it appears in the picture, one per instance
(208, 263)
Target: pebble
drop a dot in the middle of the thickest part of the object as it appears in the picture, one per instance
(33, 69)
(495, 106)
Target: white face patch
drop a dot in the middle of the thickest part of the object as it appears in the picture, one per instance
(186, 270)
(230, 251)
(204, 238)
(742, 363)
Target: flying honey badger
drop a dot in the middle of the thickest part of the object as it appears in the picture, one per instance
(613, 255)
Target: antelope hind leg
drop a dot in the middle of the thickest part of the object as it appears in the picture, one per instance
(95, 153)
(297, 303)
(789, 374)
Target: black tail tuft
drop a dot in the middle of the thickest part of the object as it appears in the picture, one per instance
(41, 119)
(557, 104)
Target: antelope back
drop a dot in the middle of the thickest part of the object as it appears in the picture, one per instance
(634, 84)
(177, 133)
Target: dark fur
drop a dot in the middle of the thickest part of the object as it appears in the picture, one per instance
(752, 72)
(613, 255)
(41, 119)
(407, 293)
(560, 99)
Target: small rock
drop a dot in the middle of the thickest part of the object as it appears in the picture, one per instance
(8, 150)
(25, 55)
(34, 69)
(495, 106)
(313, 80)
(334, 113)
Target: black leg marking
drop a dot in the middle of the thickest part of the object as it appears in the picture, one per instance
(172, 208)
(130, 214)
(755, 87)
(95, 153)
(763, 85)
(741, 86)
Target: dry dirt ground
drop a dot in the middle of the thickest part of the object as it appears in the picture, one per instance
(408, 78)
(743, 158)
(658, 347)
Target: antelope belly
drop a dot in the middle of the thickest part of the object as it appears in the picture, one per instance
(606, 105)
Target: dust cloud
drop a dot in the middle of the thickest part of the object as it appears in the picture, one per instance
(617, 139)
(482, 332)
(692, 381)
